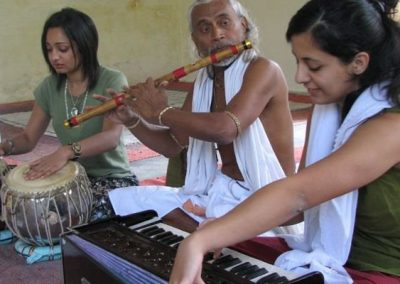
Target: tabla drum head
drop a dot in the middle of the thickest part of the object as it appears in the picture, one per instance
(15, 179)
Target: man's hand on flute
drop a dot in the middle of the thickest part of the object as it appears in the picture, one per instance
(147, 99)
(123, 114)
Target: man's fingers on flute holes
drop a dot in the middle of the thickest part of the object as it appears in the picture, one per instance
(111, 92)
(130, 100)
(163, 83)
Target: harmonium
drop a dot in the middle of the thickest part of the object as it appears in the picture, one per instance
(140, 248)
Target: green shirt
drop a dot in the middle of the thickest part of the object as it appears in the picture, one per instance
(57, 105)
(376, 240)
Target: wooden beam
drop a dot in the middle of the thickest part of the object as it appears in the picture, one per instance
(181, 86)
(299, 98)
(22, 106)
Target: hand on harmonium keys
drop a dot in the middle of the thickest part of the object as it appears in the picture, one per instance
(218, 252)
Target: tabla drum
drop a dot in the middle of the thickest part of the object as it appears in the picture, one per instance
(38, 211)
(3, 171)
(3, 167)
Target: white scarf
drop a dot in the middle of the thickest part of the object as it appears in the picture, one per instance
(326, 243)
(255, 156)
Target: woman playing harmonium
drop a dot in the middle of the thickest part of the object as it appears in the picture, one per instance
(347, 55)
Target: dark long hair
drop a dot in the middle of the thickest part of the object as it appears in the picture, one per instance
(344, 28)
(82, 33)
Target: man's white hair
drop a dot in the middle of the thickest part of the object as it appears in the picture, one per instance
(252, 30)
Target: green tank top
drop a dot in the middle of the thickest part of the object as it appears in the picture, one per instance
(376, 239)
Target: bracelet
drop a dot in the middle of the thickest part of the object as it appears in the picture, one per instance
(77, 150)
(162, 113)
(236, 121)
(11, 146)
(177, 141)
(134, 125)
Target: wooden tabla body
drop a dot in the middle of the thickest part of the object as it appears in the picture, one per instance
(3, 171)
(3, 167)
(38, 211)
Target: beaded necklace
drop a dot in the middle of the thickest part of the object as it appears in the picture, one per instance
(74, 110)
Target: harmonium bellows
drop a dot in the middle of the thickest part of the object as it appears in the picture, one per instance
(140, 248)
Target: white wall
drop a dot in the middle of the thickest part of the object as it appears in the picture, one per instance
(140, 37)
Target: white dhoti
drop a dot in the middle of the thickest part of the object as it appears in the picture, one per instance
(223, 195)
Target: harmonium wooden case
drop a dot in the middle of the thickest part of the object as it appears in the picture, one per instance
(140, 248)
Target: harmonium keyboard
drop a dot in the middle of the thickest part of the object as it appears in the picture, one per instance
(140, 248)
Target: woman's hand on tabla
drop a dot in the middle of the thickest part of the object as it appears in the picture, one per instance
(47, 165)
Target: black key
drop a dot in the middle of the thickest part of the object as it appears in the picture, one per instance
(280, 280)
(267, 279)
(176, 239)
(155, 232)
(162, 235)
(247, 270)
(151, 231)
(176, 245)
(236, 269)
(257, 273)
(165, 240)
(209, 256)
(144, 231)
(222, 259)
(229, 262)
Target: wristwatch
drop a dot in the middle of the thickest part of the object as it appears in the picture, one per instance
(76, 148)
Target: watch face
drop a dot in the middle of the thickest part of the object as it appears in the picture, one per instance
(76, 147)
